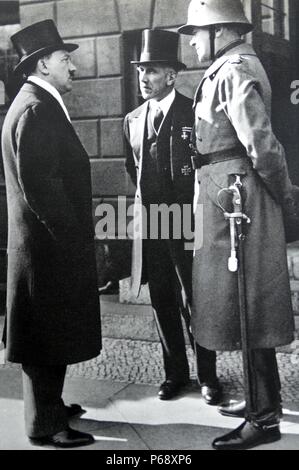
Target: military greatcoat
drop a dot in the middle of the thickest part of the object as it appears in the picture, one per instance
(233, 108)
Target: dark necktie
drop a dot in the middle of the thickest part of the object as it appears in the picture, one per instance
(158, 119)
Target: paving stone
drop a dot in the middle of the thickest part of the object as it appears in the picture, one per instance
(140, 362)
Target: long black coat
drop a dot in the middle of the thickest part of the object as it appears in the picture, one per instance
(181, 190)
(53, 312)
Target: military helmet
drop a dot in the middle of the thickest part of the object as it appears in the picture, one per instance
(203, 13)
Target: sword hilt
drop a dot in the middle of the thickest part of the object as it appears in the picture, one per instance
(235, 220)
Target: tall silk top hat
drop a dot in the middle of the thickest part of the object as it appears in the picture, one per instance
(202, 13)
(36, 41)
(160, 46)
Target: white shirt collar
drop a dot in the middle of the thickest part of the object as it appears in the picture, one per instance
(50, 89)
(164, 104)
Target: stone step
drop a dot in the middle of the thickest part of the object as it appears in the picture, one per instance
(136, 323)
(127, 321)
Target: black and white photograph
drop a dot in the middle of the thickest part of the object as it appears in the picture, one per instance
(149, 227)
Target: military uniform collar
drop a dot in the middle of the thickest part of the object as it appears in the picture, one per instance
(233, 54)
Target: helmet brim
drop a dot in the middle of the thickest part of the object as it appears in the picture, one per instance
(190, 29)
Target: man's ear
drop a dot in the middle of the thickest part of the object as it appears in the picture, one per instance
(219, 31)
(42, 66)
(172, 76)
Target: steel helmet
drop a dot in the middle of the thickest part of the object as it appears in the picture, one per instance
(203, 13)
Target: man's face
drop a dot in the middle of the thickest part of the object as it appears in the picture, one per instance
(61, 71)
(201, 42)
(155, 81)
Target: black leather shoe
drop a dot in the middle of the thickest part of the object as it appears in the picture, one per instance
(170, 389)
(64, 439)
(212, 394)
(74, 410)
(233, 409)
(247, 436)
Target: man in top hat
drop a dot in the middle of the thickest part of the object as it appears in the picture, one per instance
(53, 316)
(159, 163)
(235, 143)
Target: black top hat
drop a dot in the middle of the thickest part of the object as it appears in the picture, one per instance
(36, 41)
(160, 46)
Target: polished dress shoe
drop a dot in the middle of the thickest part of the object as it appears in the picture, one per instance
(211, 394)
(170, 389)
(74, 410)
(64, 439)
(233, 409)
(247, 436)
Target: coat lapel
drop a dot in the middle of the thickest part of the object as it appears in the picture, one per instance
(137, 131)
(46, 97)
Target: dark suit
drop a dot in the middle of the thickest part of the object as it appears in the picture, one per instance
(160, 166)
(53, 316)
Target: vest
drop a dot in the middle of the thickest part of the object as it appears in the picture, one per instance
(156, 182)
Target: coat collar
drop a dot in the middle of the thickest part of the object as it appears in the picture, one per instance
(141, 112)
(50, 89)
(43, 95)
(239, 50)
(230, 55)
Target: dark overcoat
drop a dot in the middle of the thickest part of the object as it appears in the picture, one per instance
(181, 190)
(232, 112)
(53, 312)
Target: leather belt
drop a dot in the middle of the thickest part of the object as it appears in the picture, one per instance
(200, 160)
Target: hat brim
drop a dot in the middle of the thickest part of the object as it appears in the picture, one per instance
(189, 28)
(178, 65)
(26, 60)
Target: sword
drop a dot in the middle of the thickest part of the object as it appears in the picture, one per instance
(236, 264)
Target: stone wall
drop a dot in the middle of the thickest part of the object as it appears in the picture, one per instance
(97, 103)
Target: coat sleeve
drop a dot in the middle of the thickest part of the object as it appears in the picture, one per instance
(241, 99)
(130, 161)
(41, 178)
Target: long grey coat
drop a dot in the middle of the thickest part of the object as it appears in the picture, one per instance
(233, 108)
(53, 312)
